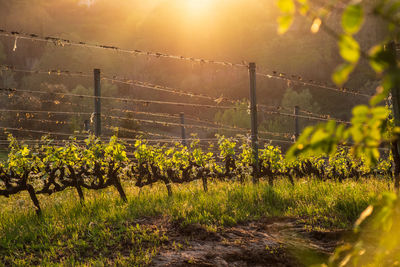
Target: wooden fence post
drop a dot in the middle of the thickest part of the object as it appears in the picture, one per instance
(253, 114)
(97, 103)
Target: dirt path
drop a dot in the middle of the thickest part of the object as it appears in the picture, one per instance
(268, 242)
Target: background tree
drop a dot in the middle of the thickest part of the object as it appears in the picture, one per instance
(302, 99)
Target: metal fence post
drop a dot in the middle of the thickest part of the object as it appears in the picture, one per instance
(97, 103)
(253, 114)
(296, 123)
(183, 130)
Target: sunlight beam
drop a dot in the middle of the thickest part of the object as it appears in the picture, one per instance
(198, 8)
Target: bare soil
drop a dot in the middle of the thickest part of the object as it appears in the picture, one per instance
(267, 242)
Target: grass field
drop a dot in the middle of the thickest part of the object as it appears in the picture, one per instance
(108, 231)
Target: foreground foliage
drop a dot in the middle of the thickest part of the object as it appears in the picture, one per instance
(378, 236)
(372, 125)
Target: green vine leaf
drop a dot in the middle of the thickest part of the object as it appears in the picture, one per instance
(352, 19)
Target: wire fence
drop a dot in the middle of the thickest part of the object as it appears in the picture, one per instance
(120, 99)
(123, 116)
(61, 42)
(311, 83)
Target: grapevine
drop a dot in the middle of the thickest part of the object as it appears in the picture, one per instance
(46, 168)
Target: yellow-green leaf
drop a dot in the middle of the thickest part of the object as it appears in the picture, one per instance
(349, 48)
(285, 22)
(287, 6)
(341, 74)
(353, 18)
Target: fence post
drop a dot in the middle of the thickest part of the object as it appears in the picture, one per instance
(97, 103)
(296, 123)
(253, 114)
(183, 130)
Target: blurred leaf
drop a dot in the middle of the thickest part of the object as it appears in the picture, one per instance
(288, 8)
(342, 73)
(360, 111)
(378, 97)
(378, 58)
(304, 7)
(285, 22)
(349, 48)
(352, 18)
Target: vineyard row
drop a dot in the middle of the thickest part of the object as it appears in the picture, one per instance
(47, 168)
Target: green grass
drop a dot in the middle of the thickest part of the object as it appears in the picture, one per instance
(103, 231)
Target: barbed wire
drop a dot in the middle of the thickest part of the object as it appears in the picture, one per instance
(46, 112)
(54, 72)
(58, 122)
(318, 115)
(214, 123)
(58, 102)
(299, 80)
(137, 83)
(196, 119)
(152, 140)
(162, 115)
(217, 126)
(39, 132)
(122, 99)
(171, 90)
(221, 127)
(114, 128)
(43, 101)
(133, 139)
(44, 140)
(305, 117)
(115, 79)
(65, 42)
(322, 117)
(277, 141)
(172, 116)
(278, 108)
(276, 75)
(164, 123)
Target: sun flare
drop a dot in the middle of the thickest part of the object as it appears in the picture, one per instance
(198, 7)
